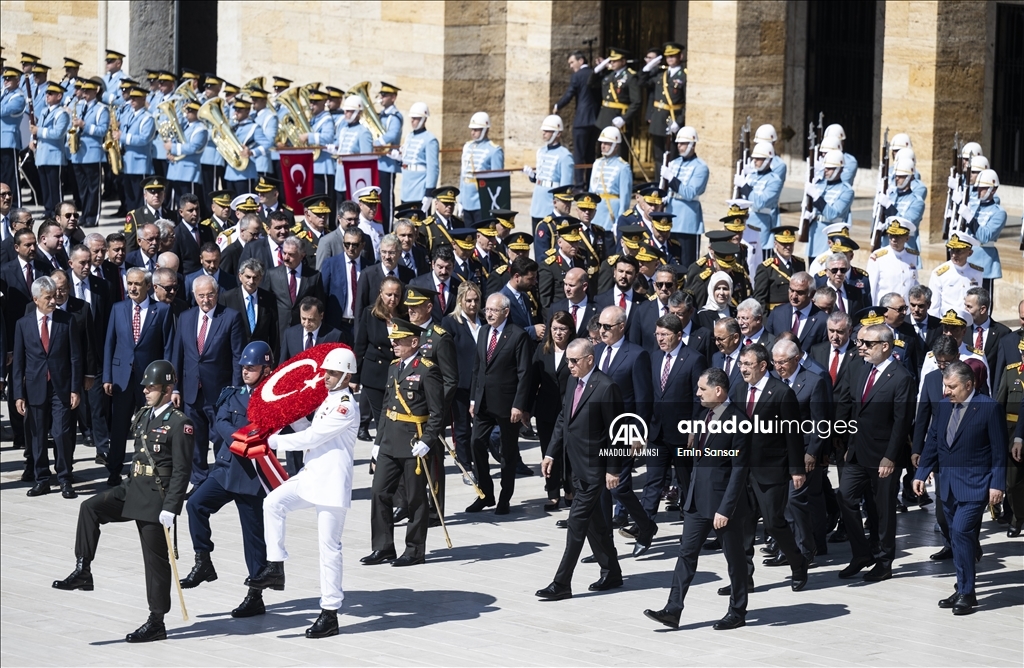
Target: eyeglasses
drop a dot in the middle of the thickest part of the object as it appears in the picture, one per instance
(494, 310)
(838, 270)
(69, 216)
(605, 326)
(668, 284)
(352, 245)
(167, 288)
(576, 360)
(866, 344)
(785, 360)
(6, 194)
(902, 309)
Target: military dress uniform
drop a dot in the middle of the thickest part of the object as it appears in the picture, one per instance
(392, 120)
(477, 156)
(250, 135)
(184, 173)
(554, 170)
(620, 94)
(612, 180)
(90, 155)
(890, 270)
(687, 178)
(909, 205)
(352, 138)
(137, 132)
(668, 85)
(831, 206)
(950, 282)
(762, 190)
(420, 165)
(267, 120)
(212, 164)
(1010, 395)
(435, 231)
(987, 222)
(141, 216)
(771, 282)
(51, 136)
(12, 107)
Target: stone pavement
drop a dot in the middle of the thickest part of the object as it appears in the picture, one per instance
(474, 604)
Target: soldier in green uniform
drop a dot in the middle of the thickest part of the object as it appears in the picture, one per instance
(563, 257)
(771, 282)
(152, 495)
(153, 192)
(506, 224)
(436, 228)
(222, 218)
(668, 107)
(596, 242)
(632, 238)
(620, 91)
(313, 227)
(1011, 395)
(269, 191)
(412, 423)
(545, 231)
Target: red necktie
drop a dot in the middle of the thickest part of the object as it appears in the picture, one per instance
(354, 280)
(622, 301)
(748, 341)
(201, 341)
(665, 369)
(796, 322)
(750, 401)
(291, 285)
(440, 297)
(869, 384)
(839, 302)
(979, 342)
(44, 335)
(577, 395)
(280, 257)
(833, 369)
(574, 308)
(492, 345)
(28, 277)
(137, 323)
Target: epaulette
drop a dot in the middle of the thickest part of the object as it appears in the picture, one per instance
(612, 259)
(1013, 366)
(440, 330)
(631, 70)
(426, 362)
(673, 242)
(629, 212)
(821, 273)
(976, 267)
(821, 258)
(912, 251)
(976, 351)
(651, 297)
(856, 269)
(551, 260)
(929, 355)
(879, 253)
(129, 222)
(346, 397)
(598, 228)
(287, 208)
(942, 269)
(205, 222)
(769, 262)
(550, 251)
(398, 359)
(501, 270)
(495, 145)
(900, 342)
(704, 275)
(296, 228)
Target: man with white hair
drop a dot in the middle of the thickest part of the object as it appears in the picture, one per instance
(479, 154)
(291, 282)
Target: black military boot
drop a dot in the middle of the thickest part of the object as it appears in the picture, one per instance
(202, 572)
(80, 578)
(271, 577)
(153, 629)
(252, 605)
(326, 625)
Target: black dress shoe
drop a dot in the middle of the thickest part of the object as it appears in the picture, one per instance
(924, 500)
(561, 524)
(480, 504)
(1012, 532)
(407, 560)
(527, 432)
(433, 521)
(607, 582)
(799, 579)
(632, 531)
(271, 577)
(854, 568)
(39, 489)
(879, 573)
(639, 549)
(101, 460)
(663, 617)
(945, 553)
(203, 571)
(778, 560)
(251, 605)
(554, 592)
(947, 603)
(620, 520)
(589, 560)
(964, 604)
(153, 629)
(67, 491)
(838, 536)
(114, 480)
(80, 578)
(325, 626)
(727, 589)
(551, 507)
(399, 515)
(28, 476)
(711, 545)
(900, 506)
(768, 550)
(643, 540)
(730, 621)
(523, 471)
(502, 508)
(364, 434)
(378, 557)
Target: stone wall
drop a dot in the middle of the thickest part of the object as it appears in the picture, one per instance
(52, 30)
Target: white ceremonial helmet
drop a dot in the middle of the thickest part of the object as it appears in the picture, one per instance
(763, 149)
(686, 135)
(766, 133)
(610, 135)
(971, 149)
(480, 121)
(979, 163)
(352, 103)
(834, 159)
(899, 141)
(987, 179)
(552, 123)
(904, 165)
(340, 359)
(419, 110)
(830, 144)
(835, 130)
(906, 153)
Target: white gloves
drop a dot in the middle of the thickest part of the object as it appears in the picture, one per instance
(426, 204)
(813, 190)
(673, 129)
(374, 452)
(965, 212)
(530, 172)
(884, 200)
(952, 183)
(395, 154)
(167, 518)
(958, 196)
(618, 122)
(739, 180)
(602, 65)
(420, 449)
(651, 65)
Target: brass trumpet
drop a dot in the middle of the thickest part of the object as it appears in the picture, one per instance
(212, 114)
(370, 119)
(74, 141)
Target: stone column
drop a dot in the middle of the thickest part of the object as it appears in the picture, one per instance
(151, 30)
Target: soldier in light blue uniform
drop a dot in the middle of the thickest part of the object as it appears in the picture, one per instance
(986, 219)
(554, 169)
(387, 165)
(837, 132)
(165, 82)
(254, 144)
(27, 61)
(136, 137)
(184, 173)
(92, 122)
(353, 138)
(904, 202)
(762, 189)
(478, 155)
(420, 159)
(280, 85)
(212, 161)
(12, 108)
(687, 178)
(832, 199)
(112, 77)
(321, 134)
(899, 148)
(39, 72)
(611, 179)
(71, 68)
(51, 134)
(767, 133)
(264, 117)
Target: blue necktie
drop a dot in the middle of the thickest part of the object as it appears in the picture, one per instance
(250, 311)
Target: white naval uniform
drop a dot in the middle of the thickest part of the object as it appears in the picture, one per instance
(892, 271)
(325, 482)
(949, 284)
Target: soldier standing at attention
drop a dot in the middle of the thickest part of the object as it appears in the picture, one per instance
(479, 154)
(620, 91)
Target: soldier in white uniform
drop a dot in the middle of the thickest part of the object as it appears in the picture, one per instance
(611, 179)
(478, 155)
(894, 269)
(951, 280)
(324, 483)
(955, 324)
(762, 188)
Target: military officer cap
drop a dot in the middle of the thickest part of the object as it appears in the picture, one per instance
(91, 84)
(27, 58)
(11, 73)
(520, 242)
(368, 195)
(151, 75)
(54, 87)
(411, 211)
(960, 318)
(282, 82)
(785, 234)
(841, 244)
(164, 75)
(187, 73)
(72, 63)
(258, 93)
(616, 53)
(725, 249)
(563, 193)
(114, 55)
(230, 88)
(211, 79)
(720, 235)
(159, 372)
(837, 229)
(153, 182)
(465, 237)
(317, 95)
(958, 240)
(416, 295)
(318, 204)
(242, 103)
(633, 235)
(385, 87)
(872, 315)
(507, 217)
(135, 91)
(672, 49)
(125, 84)
(267, 184)
(486, 227)
(662, 221)
(334, 93)
(39, 68)
(221, 197)
(246, 203)
(400, 329)
(898, 226)
(651, 193)
(587, 200)
(568, 227)
(446, 194)
(645, 253)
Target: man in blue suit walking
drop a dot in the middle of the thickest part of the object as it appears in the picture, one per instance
(967, 440)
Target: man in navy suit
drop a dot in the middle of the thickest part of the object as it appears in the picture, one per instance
(94, 411)
(441, 279)
(621, 294)
(523, 279)
(696, 337)
(836, 354)
(208, 345)
(727, 339)
(641, 332)
(257, 306)
(190, 235)
(291, 282)
(46, 376)
(588, 103)
(967, 440)
(799, 316)
(140, 331)
(149, 248)
(209, 259)
(311, 330)
(576, 303)
(341, 276)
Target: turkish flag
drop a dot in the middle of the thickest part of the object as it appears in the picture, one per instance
(294, 390)
(360, 173)
(297, 177)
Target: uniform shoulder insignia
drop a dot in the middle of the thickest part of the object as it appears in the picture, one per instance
(440, 330)
(821, 258)
(900, 342)
(912, 251)
(287, 208)
(550, 251)
(976, 351)
(673, 242)
(426, 362)
(939, 271)
(704, 275)
(297, 228)
(551, 260)
(769, 262)
(821, 273)
(1013, 366)
(612, 259)
(631, 70)
(858, 270)
(879, 253)
(495, 145)
(629, 212)
(597, 228)
(651, 297)
(397, 360)
(974, 266)
(929, 355)
(501, 270)
(205, 222)
(346, 397)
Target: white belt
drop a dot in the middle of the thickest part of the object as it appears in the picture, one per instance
(764, 211)
(414, 168)
(545, 184)
(683, 199)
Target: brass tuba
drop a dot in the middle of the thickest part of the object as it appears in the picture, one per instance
(168, 126)
(250, 85)
(212, 114)
(369, 117)
(294, 123)
(74, 141)
(113, 146)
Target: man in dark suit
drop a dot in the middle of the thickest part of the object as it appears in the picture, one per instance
(985, 334)
(90, 348)
(642, 330)
(368, 286)
(410, 254)
(249, 230)
(46, 375)
(879, 396)
(727, 340)
(208, 344)
(576, 303)
(581, 435)
(340, 275)
(190, 235)
(908, 350)
(311, 330)
(716, 499)
(698, 338)
(291, 282)
(750, 318)
(623, 270)
(927, 327)
(519, 290)
(799, 316)
(149, 248)
(555, 266)
(209, 259)
(257, 306)
(498, 398)
(140, 331)
(850, 297)
(268, 250)
(837, 355)
(114, 266)
(50, 239)
(967, 440)
(775, 459)
(442, 279)
(94, 410)
(588, 103)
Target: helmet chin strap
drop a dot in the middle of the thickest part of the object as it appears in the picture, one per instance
(554, 138)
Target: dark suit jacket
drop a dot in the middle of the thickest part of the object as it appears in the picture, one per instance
(427, 281)
(582, 317)
(368, 286)
(465, 348)
(933, 330)
(1008, 354)
(883, 420)
(231, 257)
(135, 259)
(260, 249)
(235, 473)
(266, 317)
(334, 275)
(520, 314)
(310, 285)
(718, 483)
(777, 456)
(225, 282)
(550, 384)
(975, 462)
(815, 404)
(373, 351)
(588, 100)
(185, 246)
(581, 436)
(294, 340)
(420, 258)
(678, 399)
(813, 331)
(822, 354)
(630, 369)
(217, 366)
(124, 361)
(607, 298)
(7, 252)
(642, 330)
(503, 383)
(31, 365)
(718, 362)
(113, 275)
(101, 304)
(17, 295)
(90, 346)
(60, 261)
(928, 400)
(997, 332)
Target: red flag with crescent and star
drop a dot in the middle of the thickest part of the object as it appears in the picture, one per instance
(296, 177)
